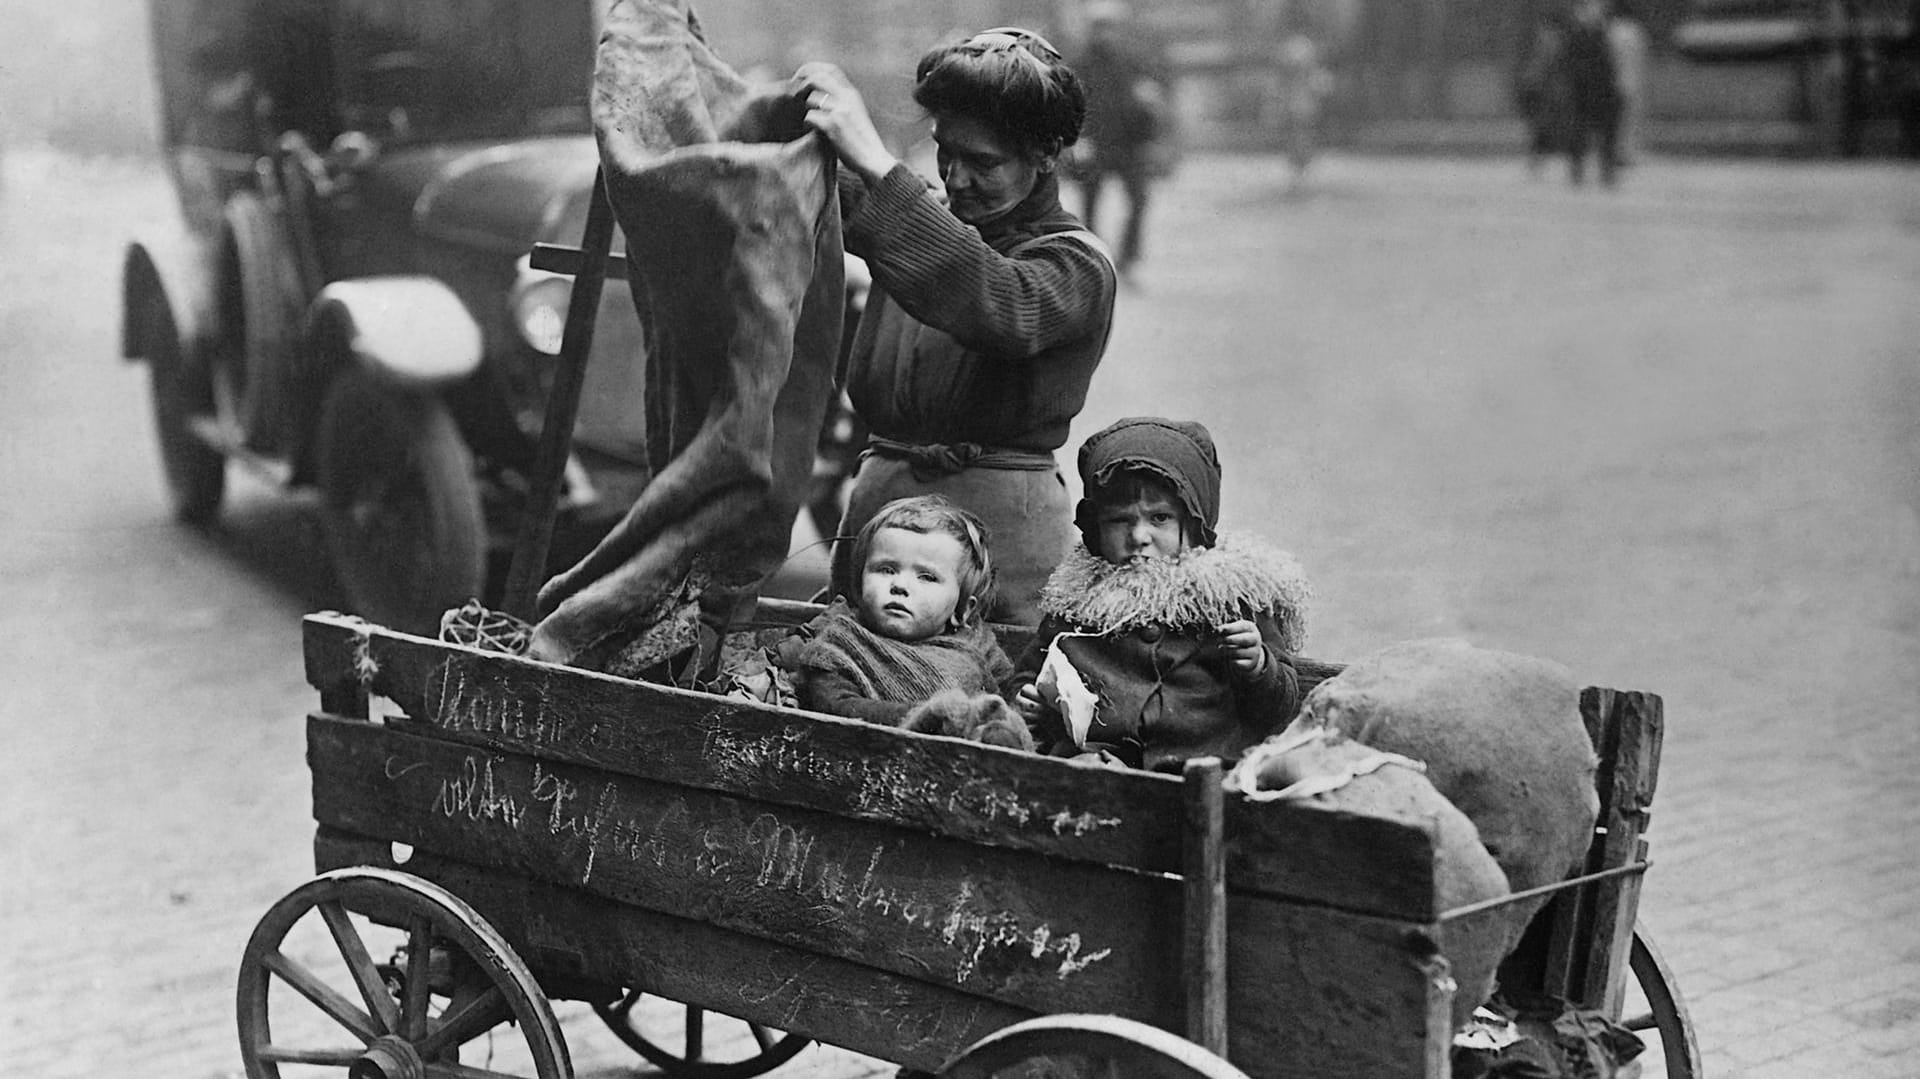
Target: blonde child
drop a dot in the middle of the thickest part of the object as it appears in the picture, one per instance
(1160, 639)
(915, 626)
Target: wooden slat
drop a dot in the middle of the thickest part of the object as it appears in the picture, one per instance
(982, 794)
(1576, 947)
(1634, 727)
(1013, 927)
(1204, 953)
(922, 906)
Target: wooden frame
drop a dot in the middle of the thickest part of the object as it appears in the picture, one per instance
(905, 895)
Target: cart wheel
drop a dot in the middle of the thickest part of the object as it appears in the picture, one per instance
(399, 503)
(1666, 1013)
(1133, 1049)
(771, 1048)
(451, 981)
(196, 472)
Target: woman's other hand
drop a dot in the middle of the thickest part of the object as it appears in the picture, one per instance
(1240, 643)
(836, 109)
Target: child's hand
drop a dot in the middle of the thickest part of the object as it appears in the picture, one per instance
(1030, 704)
(1240, 643)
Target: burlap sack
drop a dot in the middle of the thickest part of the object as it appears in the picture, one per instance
(1325, 768)
(730, 212)
(1501, 737)
(1500, 734)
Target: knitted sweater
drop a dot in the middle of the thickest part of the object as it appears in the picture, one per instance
(1142, 639)
(986, 335)
(846, 669)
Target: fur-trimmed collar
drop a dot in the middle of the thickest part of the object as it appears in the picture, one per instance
(1239, 575)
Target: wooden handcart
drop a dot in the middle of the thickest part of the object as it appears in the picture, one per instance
(495, 833)
(537, 832)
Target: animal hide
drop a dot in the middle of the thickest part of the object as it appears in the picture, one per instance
(730, 212)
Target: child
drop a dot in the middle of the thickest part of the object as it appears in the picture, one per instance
(1158, 640)
(915, 628)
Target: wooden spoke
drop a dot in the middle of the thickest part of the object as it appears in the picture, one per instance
(399, 1030)
(419, 959)
(324, 996)
(772, 1047)
(335, 1057)
(464, 1022)
(373, 988)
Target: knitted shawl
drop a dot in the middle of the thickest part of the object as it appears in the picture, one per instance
(1240, 576)
(907, 671)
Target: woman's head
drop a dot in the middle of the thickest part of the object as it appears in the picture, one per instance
(925, 568)
(1004, 105)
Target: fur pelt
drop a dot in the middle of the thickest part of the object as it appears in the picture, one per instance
(1238, 576)
(979, 717)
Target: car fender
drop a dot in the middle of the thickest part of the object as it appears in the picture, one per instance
(180, 269)
(409, 329)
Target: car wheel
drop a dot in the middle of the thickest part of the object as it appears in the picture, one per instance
(399, 503)
(271, 300)
(196, 472)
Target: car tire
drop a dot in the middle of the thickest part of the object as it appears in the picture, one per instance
(271, 303)
(196, 472)
(399, 503)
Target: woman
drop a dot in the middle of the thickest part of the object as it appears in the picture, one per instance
(989, 309)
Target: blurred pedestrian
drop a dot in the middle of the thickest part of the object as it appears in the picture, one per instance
(1540, 91)
(1128, 130)
(1304, 84)
(1593, 91)
(1627, 37)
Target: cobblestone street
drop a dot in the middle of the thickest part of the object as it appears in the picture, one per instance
(1668, 435)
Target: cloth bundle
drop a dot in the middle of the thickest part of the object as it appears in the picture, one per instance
(731, 217)
(1507, 777)
(1337, 772)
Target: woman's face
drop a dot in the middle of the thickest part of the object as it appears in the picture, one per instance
(985, 175)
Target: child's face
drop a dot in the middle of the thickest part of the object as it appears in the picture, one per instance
(910, 586)
(1154, 525)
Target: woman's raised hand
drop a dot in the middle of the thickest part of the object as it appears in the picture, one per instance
(836, 110)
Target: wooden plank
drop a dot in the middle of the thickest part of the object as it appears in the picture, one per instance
(1634, 726)
(568, 936)
(1577, 945)
(335, 662)
(984, 794)
(1203, 954)
(1322, 992)
(1094, 939)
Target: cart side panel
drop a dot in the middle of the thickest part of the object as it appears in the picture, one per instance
(925, 906)
(1014, 928)
(978, 793)
(567, 933)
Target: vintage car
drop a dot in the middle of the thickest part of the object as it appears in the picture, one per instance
(346, 300)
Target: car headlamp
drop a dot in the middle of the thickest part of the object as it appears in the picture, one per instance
(539, 304)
